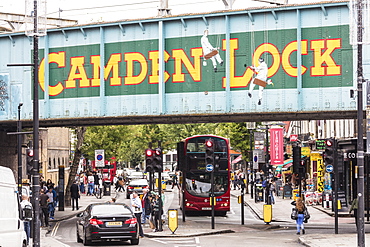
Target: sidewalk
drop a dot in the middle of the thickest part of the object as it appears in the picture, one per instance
(281, 215)
(281, 211)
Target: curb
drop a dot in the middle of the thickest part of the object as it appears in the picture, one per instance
(174, 235)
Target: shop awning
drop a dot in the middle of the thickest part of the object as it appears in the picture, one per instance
(237, 159)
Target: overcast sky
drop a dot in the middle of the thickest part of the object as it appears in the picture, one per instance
(86, 11)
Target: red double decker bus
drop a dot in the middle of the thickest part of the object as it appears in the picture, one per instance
(196, 175)
(108, 171)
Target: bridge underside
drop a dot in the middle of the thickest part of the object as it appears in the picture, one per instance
(183, 119)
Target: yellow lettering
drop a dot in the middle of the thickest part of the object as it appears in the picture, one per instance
(77, 72)
(273, 50)
(181, 58)
(111, 67)
(132, 79)
(154, 57)
(330, 68)
(285, 57)
(59, 59)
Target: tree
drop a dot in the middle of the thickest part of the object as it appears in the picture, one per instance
(80, 132)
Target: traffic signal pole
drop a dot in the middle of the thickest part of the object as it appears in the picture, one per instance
(360, 141)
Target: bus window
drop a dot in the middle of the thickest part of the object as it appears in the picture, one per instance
(200, 184)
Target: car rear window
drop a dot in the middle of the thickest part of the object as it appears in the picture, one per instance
(110, 209)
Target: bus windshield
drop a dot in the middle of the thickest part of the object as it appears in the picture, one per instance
(199, 184)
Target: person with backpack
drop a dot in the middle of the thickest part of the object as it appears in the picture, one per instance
(27, 215)
(300, 214)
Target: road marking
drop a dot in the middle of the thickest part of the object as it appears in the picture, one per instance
(55, 229)
(179, 242)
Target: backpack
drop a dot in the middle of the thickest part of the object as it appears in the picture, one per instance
(27, 213)
(264, 183)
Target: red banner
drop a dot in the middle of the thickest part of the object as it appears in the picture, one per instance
(276, 146)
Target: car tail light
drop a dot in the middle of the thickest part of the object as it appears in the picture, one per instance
(130, 187)
(131, 221)
(146, 187)
(96, 222)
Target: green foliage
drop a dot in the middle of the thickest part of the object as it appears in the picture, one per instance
(127, 142)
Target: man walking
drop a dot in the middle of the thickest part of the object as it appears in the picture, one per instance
(75, 194)
(27, 208)
(44, 207)
(137, 209)
(146, 206)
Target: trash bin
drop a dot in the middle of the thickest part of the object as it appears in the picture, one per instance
(106, 188)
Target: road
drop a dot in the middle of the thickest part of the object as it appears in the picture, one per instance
(65, 231)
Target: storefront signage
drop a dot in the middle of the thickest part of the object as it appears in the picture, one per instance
(320, 144)
(320, 175)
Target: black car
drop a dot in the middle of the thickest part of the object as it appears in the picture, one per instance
(107, 222)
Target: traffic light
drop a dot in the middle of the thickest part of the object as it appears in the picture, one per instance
(149, 158)
(330, 150)
(210, 151)
(296, 159)
(29, 161)
(158, 160)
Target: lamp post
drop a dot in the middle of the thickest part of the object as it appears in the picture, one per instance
(19, 150)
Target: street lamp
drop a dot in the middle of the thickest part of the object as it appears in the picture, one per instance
(19, 149)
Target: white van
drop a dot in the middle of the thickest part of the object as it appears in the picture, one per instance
(11, 226)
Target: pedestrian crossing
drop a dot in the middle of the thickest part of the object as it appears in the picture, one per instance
(179, 242)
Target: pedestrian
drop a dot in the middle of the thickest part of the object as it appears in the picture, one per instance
(137, 209)
(115, 182)
(48, 183)
(121, 182)
(157, 212)
(174, 180)
(90, 188)
(354, 207)
(75, 195)
(301, 212)
(44, 207)
(272, 190)
(51, 208)
(27, 216)
(146, 205)
(82, 183)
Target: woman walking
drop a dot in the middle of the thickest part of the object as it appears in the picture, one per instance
(301, 212)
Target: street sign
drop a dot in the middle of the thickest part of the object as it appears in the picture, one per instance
(329, 168)
(255, 160)
(293, 138)
(209, 168)
(99, 158)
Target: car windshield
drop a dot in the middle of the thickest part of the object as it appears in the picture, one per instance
(110, 209)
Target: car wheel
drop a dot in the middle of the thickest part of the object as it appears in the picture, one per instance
(79, 240)
(85, 241)
(24, 244)
(134, 241)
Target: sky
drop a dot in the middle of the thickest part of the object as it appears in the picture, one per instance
(87, 11)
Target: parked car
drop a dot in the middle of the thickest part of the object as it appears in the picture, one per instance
(136, 185)
(107, 222)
